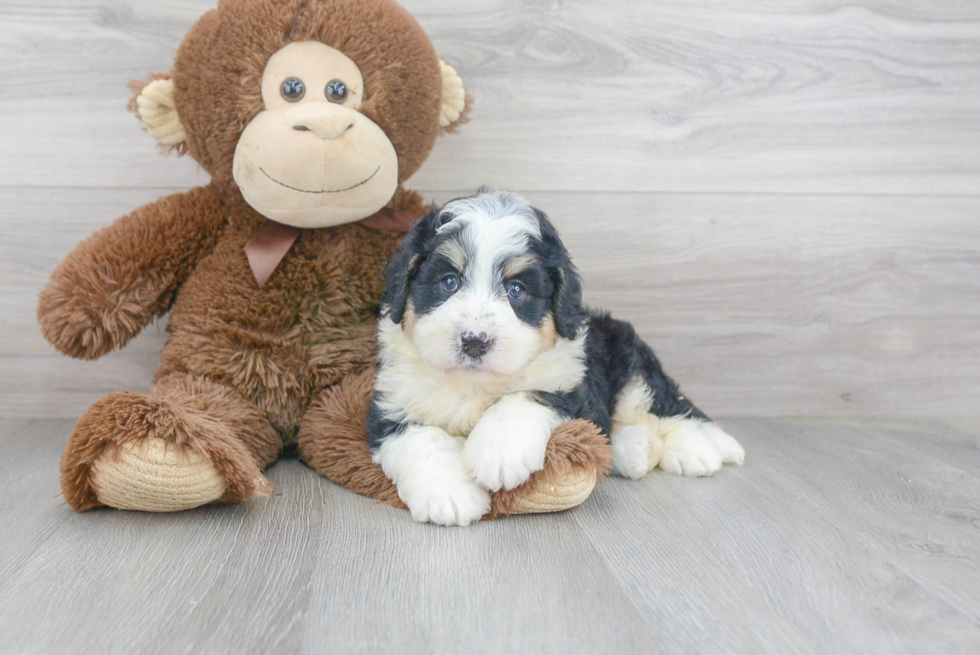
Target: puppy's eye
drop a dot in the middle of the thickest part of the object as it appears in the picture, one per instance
(336, 91)
(450, 283)
(292, 89)
(516, 291)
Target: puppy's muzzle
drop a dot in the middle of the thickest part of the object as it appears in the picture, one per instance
(475, 345)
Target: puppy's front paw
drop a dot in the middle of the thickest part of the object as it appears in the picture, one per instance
(503, 457)
(426, 465)
(447, 501)
(688, 451)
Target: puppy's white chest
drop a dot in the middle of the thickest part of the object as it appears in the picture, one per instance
(452, 405)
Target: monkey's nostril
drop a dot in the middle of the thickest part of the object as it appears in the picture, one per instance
(301, 128)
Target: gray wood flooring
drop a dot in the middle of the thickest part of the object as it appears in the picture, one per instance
(845, 536)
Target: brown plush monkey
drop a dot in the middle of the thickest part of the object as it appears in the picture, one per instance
(308, 115)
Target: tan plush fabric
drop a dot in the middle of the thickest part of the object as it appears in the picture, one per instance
(453, 96)
(246, 370)
(155, 107)
(571, 491)
(156, 476)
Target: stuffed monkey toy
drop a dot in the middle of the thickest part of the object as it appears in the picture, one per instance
(308, 115)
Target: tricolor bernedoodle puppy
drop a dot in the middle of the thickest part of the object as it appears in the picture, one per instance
(486, 348)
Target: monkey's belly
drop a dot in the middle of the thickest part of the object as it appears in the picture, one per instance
(279, 372)
(311, 325)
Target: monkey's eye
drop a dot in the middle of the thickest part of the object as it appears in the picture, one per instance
(515, 291)
(450, 283)
(292, 89)
(336, 91)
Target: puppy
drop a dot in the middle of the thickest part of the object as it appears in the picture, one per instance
(486, 348)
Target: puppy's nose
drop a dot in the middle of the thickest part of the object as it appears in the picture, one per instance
(325, 120)
(475, 345)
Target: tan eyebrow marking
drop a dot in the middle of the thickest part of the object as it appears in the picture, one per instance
(454, 252)
(517, 265)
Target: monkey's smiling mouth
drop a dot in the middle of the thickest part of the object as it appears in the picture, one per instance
(354, 186)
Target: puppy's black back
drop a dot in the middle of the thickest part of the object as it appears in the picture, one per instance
(615, 356)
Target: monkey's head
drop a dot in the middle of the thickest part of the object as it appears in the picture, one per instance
(314, 110)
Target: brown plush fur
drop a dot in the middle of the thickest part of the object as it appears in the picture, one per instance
(574, 445)
(345, 458)
(120, 278)
(185, 411)
(246, 370)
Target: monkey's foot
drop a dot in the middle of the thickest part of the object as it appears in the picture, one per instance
(156, 454)
(156, 476)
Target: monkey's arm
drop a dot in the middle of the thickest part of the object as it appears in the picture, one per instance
(120, 278)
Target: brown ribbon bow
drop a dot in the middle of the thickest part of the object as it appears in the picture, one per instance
(273, 240)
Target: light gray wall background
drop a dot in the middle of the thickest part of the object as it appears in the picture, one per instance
(783, 196)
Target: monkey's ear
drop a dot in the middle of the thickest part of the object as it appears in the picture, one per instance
(456, 102)
(154, 105)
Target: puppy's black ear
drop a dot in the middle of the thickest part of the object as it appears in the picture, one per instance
(566, 300)
(404, 265)
(566, 303)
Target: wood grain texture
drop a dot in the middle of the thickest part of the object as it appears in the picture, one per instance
(772, 305)
(810, 96)
(835, 537)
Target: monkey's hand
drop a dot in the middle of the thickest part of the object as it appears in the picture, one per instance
(120, 278)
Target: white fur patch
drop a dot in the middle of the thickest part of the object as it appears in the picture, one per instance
(476, 309)
(730, 450)
(633, 453)
(633, 403)
(411, 390)
(509, 441)
(687, 451)
(426, 465)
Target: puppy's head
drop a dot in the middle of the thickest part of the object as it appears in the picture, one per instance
(483, 285)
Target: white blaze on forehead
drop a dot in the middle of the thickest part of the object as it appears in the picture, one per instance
(492, 227)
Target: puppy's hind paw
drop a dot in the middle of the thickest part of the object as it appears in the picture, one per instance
(688, 451)
(730, 450)
(632, 451)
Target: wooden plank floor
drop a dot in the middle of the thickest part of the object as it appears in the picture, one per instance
(836, 536)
